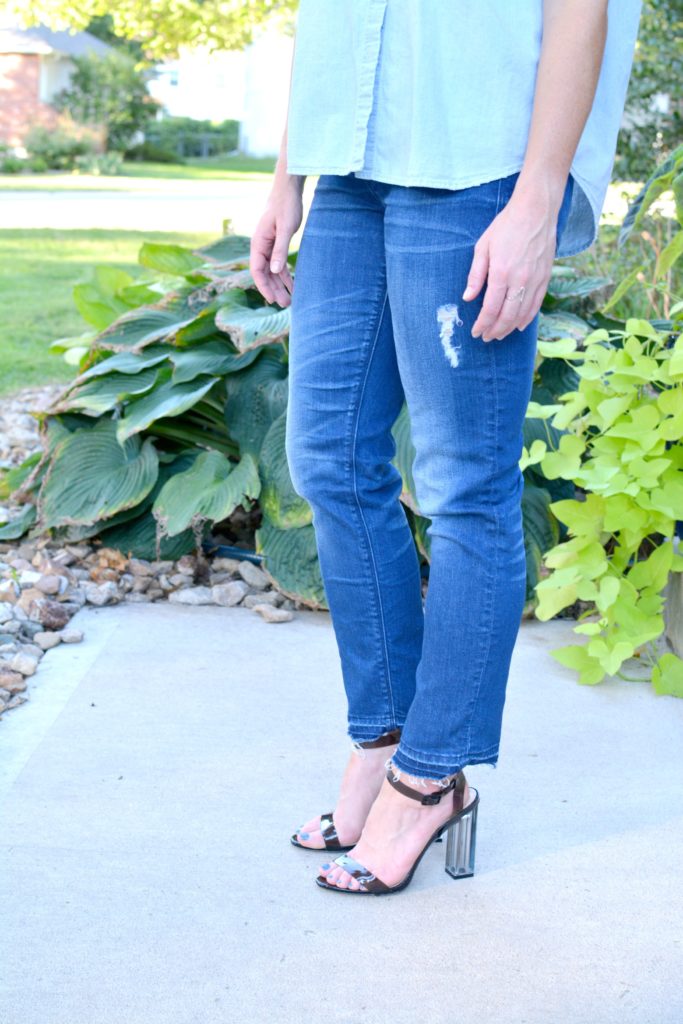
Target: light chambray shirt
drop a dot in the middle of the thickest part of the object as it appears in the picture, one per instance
(440, 93)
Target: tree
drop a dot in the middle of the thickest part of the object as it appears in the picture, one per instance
(650, 134)
(164, 26)
(109, 91)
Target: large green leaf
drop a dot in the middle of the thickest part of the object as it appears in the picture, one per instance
(563, 287)
(92, 476)
(228, 249)
(168, 399)
(541, 531)
(291, 558)
(561, 324)
(249, 328)
(137, 538)
(17, 527)
(125, 362)
(403, 459)
(255, 398)
(101, 300)
(169, 259)
(142, 327)
(215, 357)
(104, 393)
(279, 501)
(211, 489)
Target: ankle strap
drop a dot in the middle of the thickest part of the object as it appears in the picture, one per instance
(387, 740)
(457, 783)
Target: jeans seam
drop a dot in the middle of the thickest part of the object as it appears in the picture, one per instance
(491, 576)
(359, 508)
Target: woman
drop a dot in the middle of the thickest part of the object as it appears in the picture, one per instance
(460, 148)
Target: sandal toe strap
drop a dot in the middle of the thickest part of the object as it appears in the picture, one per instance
(329, 832)
(370, 882)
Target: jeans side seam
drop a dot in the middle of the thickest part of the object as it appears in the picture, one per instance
(359, 508)
(492, 569)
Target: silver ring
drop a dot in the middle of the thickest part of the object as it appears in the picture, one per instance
(518, 295)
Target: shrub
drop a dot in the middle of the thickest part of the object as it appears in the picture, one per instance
(59, 147)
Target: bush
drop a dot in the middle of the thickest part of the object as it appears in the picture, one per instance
(11, 164)
(153, 153)
(59, 147)
(186, 137)
(99, 163)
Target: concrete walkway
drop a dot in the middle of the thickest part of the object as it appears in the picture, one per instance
(150, 786)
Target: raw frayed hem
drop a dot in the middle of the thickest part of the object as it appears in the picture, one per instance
(490, 760)
(361, 751)
(415, 781)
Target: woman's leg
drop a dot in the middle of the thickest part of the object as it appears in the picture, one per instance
(467, 400)
(345, 393)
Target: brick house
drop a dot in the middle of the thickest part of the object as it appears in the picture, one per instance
(35, 64)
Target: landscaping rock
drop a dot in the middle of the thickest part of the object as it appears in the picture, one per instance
(271, 614)
(101, 593)
(51, 614)
(191, 595)
(255, 577)
(13, 682)
(71, 635)
(229, 594)
(24, 663)
(47, 640)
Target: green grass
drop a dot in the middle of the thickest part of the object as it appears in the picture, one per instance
(38, 270)
(225, 168)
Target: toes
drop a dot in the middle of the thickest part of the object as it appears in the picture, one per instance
(313, 840)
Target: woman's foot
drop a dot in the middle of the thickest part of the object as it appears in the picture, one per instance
(395, 833)
(359, 788)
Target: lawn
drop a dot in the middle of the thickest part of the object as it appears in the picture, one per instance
(226, 168)
(38, 270)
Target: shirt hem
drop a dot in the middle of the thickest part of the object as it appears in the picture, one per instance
(411, 180)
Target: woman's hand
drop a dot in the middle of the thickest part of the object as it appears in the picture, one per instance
(515, 252)
(270, 241)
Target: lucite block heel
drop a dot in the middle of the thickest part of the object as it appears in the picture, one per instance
(461, 842)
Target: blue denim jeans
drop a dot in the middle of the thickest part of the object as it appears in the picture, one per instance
(379, 269)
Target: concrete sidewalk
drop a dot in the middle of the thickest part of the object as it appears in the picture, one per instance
(150, 786)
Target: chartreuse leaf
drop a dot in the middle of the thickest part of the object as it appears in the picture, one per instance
(534, 454)
(567, 460)
(211, 489)
(553, 600)
(578, 657)
(92, 476)
(654, 570)
(582, 518)
(667, 675)
(557, 347)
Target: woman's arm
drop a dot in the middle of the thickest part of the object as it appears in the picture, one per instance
(279, 221)
(518, 248)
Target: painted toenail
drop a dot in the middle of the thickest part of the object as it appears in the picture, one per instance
(304, 835)
(326, 867)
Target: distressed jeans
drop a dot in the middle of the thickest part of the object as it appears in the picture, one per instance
(377, 319)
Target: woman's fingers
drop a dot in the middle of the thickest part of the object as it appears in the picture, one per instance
(270, 245)
(491, 307)
(479, 269)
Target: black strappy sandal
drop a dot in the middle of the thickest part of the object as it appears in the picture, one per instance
(461, 828)
(327, 826)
